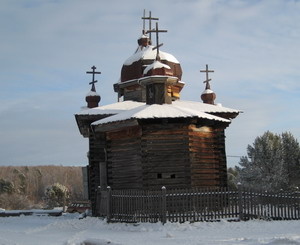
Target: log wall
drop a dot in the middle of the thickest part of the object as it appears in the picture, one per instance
(124, 168)
(165, 156)
(207, 156)
(155, 154)
(96, 155)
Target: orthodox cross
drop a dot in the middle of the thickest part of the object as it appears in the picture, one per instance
(150, 18)
(93, 80)
(207, 79)
(157, 41)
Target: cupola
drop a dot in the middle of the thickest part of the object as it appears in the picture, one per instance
(208, 96)
(147, 61)
(134, 66)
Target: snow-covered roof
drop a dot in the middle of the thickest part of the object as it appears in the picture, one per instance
(208, 91)
(148, 53)
(158, 111)
(208, 108)
(178, 109)
(144, 36)
(156, 64)
(140, 80)
(119, 107)
(111, 108)
(131, 110)
(92, 93)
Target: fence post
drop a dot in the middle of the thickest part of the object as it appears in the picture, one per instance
(108, 204)
(164, 205)
(297, 203)
(240, 201)
(98, 201)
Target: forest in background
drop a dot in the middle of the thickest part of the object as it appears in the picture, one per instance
(23, 187)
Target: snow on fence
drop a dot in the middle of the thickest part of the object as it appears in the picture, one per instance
(210, 204)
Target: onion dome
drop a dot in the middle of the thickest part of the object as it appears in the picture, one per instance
(146, 62)
(134, 66)
(208, 96)
(144, 41)
(92, 98)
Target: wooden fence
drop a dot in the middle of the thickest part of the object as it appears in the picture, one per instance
(197, 205)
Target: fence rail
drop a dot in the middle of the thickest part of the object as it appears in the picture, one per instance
(192, 205)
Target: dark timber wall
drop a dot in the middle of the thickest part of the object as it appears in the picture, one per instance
(160, 153)
(176, 153)
(207, 154)
(124, 158)
(165, 155)
(96, 155)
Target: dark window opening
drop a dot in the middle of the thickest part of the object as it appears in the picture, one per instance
(159, 176)
(172, 176)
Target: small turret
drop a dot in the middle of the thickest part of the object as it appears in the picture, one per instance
(93, 98)
(144, 41)
(208, 96)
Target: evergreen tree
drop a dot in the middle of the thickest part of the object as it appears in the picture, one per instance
(57, 195)
(6, 186)
(291, 156)
(272, 162)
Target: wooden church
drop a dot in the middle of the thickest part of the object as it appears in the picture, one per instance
(150, 138)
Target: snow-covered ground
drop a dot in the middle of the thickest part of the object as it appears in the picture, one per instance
(68, 229)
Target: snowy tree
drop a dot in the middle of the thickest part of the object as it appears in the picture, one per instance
(56, 195)
(291, 156)
(272, 162)
(232, 178)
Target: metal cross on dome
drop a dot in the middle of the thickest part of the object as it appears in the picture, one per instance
(157, 41)
(207, 79)
(93, 80)
(150, 18)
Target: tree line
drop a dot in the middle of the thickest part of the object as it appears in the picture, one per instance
(24, 187)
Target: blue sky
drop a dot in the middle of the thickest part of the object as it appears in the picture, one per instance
(48, 45)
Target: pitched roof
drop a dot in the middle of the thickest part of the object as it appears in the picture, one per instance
(114, 108)
(158, 111)
(127, 110)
